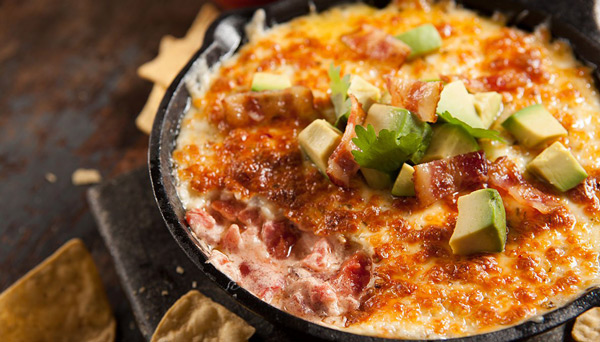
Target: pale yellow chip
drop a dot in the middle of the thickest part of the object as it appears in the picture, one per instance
(173, 54)
(61, 299)
(145, 120)
(587, 326)
(197, 318)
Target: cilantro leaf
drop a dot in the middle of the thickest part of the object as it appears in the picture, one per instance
(475, 132)
(408, 124)
(385, 152)
(339, 94)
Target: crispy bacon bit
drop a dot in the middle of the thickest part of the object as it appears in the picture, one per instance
(229, 209)
(420, 98)
(251, 217)
(321, 258)
(262, 278)
(199, 219)
(232, 239)
(248, 109)
(312, 296)
(439, 178)
(279, 237)
(204, 225)
(373, 43)
(586, 193)
(341, 165)
(505, 176)
(354, 275)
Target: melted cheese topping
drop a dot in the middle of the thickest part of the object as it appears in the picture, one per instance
(420, 289)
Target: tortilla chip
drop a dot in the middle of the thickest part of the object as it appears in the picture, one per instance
(61, 299)
(175, 53)
(587, 326)
(203, 19)
(197, 318)
(145, 120)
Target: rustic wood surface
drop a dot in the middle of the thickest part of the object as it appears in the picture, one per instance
(69, 95)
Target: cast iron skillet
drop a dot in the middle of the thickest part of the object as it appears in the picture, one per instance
(224, 37)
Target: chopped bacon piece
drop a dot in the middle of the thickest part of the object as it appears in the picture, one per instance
(439, 178)
(246, 109)
(505, 176)
(279, 237)
(232, 239)
(199, 219)
(204, 225)
(251, 217)
(321, 258)
(376, 44)
(354, 275)
(586, 193)
(262, 278)
(420, 98)
(310, 295)
(229, 209)
(341, 165)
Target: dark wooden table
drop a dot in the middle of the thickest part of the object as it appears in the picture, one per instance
(69, 95)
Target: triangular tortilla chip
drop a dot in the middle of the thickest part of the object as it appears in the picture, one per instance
(145, 120)
(197, 318)
(587, 326)
(175, 53)
(61, 299)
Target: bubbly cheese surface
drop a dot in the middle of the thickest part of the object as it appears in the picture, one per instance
(419, 289)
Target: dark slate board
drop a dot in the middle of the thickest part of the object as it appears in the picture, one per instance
(146, 258)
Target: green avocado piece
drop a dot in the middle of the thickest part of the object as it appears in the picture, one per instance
(404, 186)
(488, 105)
(318, 140)
(268, 81)
(449, 140)
(422, 39)
(400, 120)
(534, 125)
(557, 166)
(456, 100)
(377, 179)
(365, 92)
(481, 223)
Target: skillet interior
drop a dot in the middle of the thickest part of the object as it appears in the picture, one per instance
(226, 35)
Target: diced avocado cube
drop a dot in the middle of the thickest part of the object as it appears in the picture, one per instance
(481, 223)
(400, 120)
(449, 140)
(377, 179)
(404, 186)
(365, 92)
(557, 166)
(268, 81)
(456, 100)
(384, 117)
(488, 105)
(534, 125)
(318, 140)
(422, 39)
